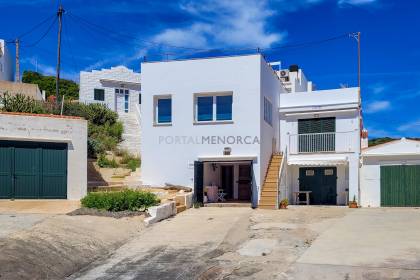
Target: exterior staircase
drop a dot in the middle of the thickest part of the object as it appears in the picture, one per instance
(269, 192)
(131, 135)
(133, 180)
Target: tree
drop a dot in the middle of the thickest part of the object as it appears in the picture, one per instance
(67, 87)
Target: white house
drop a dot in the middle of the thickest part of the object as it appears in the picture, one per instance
(210, 122)
(6, 63)
(230, 122)
(320, 138)
(119, 89)
(390, 174)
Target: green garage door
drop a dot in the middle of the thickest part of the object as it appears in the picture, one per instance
(400, 185)
(33, 170)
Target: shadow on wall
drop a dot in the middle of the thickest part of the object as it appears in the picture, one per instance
(95, 178)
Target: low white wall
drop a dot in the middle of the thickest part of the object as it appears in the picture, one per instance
(45, 128)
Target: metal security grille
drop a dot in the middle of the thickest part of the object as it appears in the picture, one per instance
(316, 135)
(400, 185)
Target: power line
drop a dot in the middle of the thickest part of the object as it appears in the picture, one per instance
(113, 32)
(43, 35)
(35, 27)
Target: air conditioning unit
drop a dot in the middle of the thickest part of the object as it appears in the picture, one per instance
(284, 73)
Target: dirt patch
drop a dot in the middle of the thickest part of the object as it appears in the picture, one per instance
(61, 245)
(104, 213)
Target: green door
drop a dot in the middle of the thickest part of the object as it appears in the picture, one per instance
(322, 182)
(30, 170)
(54, 171)
(400, 185)
(6, 171)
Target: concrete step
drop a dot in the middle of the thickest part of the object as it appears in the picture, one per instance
(268, 200)
(267, 206)
(181, 208)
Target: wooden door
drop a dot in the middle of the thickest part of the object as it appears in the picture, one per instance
(244, 182)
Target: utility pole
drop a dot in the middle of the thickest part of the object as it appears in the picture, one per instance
(17, 73)
(358, 59)
(57, 77)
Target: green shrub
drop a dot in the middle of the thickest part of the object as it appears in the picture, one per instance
(104, 162)
(120, 201)
(132, 162)
(99, 114)
(21, 103)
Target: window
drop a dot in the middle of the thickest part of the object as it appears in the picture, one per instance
(99, 94)
(204, 108)
(224, 108)
(212, 108)
(268, 111)
(310, 172)
(139, 98)
(316, 135)
(329, 172)
(163, 110)
(126, 101)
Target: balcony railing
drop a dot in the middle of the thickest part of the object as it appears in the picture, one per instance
(329, 142)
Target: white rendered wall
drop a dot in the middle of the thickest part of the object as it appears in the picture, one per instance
(72, 131)
(163, 162)
(6, 63)
(91, 80)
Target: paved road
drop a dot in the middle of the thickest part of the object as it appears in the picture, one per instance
(216, 243)
(300, 243)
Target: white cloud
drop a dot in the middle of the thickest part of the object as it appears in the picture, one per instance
(377, 106)
(412, 127)
(378, 88)
(342, 3)
(241, 23)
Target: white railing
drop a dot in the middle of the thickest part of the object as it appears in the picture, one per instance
(138, 114)
(281, 177)
(329, 142)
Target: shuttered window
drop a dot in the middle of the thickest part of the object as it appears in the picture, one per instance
(316, 135)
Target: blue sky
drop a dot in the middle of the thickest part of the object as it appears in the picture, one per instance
(182, 28)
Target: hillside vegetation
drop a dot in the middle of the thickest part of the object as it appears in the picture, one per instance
(68, 88)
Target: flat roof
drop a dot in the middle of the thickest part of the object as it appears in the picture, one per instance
(201, 58)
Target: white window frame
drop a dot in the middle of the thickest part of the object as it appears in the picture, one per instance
(214, 111)
(156, 110)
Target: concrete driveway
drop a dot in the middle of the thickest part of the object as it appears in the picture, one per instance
(381, 243)
(17, 215)
(300, 243)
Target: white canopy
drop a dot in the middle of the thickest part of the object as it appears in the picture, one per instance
(318, 161)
